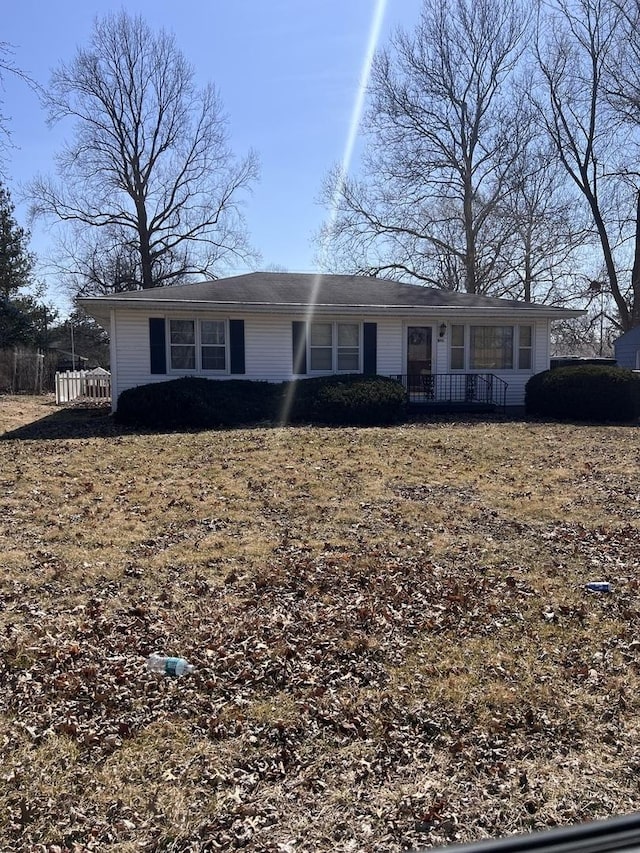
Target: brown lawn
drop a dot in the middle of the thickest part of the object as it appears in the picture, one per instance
(393, 642)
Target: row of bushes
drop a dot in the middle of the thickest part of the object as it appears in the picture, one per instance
(586, 393)
(196, 403)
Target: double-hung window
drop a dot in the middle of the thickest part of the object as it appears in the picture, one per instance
(182, 344)
(457, 347)
(348, 347)
(198, 345)
(525, 347)
(321, 346)
(212, 345)
(334, 347)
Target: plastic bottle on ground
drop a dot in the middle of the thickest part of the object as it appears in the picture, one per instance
(168, 665)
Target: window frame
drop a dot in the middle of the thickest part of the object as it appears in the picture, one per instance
(198, 346)
(516, 348)
(336, 347)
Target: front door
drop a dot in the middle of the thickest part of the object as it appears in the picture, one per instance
(419, 350)
(419, 381)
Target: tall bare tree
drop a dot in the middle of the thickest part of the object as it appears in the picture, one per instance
(445, 136)
(577, 47)
(623, 94)
(150, 157)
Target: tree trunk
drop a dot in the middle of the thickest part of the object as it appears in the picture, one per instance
(147, 268)
(612, 276)
(471, 283)
(527, 268)
(145, 248)
(634, 320)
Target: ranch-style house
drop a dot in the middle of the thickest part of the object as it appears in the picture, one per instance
(447, 348)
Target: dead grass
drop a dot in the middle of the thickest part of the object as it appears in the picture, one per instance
(393, 643)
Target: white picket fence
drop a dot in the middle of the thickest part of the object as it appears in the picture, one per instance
(83, 384)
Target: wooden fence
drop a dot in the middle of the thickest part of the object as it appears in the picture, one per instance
(83, 385)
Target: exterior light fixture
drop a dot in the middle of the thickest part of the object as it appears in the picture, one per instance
(443, 329)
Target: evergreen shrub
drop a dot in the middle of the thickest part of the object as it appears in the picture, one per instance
(197, 403)
(347, 399)
(585, 393)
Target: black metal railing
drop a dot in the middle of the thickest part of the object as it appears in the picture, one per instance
(454, 388)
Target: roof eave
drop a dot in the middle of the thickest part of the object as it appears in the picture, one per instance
(101, 305)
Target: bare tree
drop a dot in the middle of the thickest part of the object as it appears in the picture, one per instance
(106, 260)
(445, 136)
(100, 261)
(9, 68)
(623, 94)
(550, 232)
(623, 79)
(6, 65)
(576, 48)
(150, 158)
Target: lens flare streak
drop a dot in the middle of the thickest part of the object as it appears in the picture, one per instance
(352, 136)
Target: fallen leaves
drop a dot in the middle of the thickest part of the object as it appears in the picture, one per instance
(393, 646)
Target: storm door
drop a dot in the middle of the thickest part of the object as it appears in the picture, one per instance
(418, 350)
(419, 379)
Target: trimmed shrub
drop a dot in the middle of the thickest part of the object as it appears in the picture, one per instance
(198, 403)
(585, 393)
(351, 399)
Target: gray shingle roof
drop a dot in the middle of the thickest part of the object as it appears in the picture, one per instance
(304, 289)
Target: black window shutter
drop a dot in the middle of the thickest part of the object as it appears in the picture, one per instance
(157, 345)
(236, 346)
(370, 349)
(299, 338)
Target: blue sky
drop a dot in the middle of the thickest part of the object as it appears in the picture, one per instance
(288, 72)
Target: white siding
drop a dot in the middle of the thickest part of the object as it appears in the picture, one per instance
(541, 346)
(441, 360)
(515, 386)
(390, 345)
(268, 347)
(132, 344)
